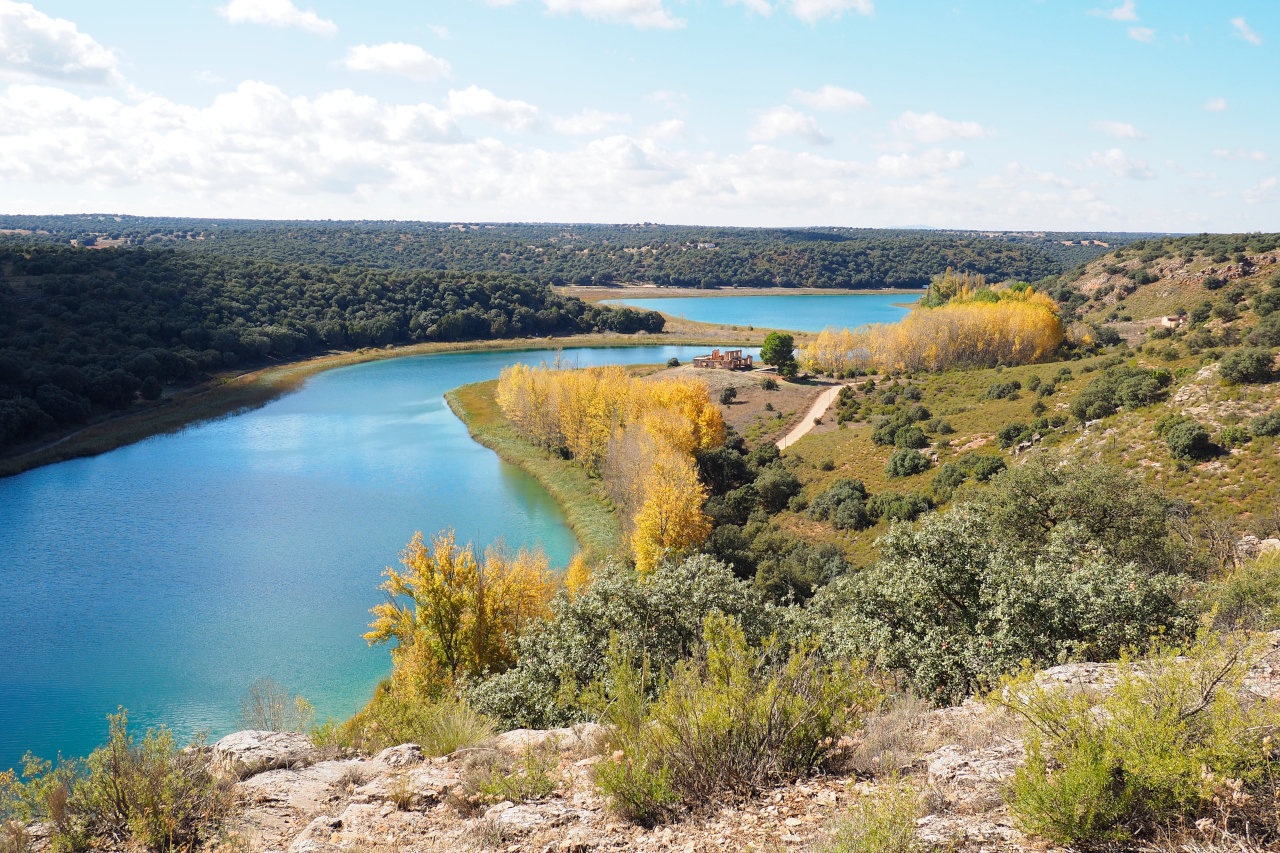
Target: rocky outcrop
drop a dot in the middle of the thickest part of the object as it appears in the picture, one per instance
(245, 753)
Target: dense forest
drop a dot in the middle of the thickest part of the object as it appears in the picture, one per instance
(89, 330)
(604, 254)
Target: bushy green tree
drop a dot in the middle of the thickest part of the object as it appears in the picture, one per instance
(954, 604)
(907, 463)
(1247, 365)
(659, 617)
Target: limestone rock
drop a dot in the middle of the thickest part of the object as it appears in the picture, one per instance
(315, 838)
(245, 753)
(971, 780)
(421, 786)
(399, 756)
(581, 738)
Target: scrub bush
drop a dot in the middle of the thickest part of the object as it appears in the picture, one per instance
(730, 722)
(658, 617)
(1248, 364)
(907, 463)
(1268, 424)
(843, 503)
(1178, 741)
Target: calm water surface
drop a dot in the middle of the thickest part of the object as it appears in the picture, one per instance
(167, 575)
(800, 312)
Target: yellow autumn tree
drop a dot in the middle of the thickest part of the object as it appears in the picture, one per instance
(634, 431)
(452, 615)
(670, 521)
(974, 328)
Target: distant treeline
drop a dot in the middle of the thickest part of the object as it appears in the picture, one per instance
(682, 256)
(85, 331)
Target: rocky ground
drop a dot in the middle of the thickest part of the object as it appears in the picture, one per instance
(295, 798)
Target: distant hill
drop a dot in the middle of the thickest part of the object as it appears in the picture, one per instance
(551, 253)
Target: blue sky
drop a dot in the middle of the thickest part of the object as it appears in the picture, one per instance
(1027, 114)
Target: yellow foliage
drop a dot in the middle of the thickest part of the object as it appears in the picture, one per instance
(670, 521)
(577, 576)
(637, 432)
(450, 615)
(976, 328)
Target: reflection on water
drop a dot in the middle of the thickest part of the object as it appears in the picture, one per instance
(167, 575)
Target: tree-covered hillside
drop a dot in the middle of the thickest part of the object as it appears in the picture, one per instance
(602, 254)
(84, 330)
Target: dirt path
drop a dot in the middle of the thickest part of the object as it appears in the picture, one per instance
(820, 405)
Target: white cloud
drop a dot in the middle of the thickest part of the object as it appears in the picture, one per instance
(1244, 31)
(1215, 105)
(474, 102)
(1240, 154)
(672, 128)
(441, 32)
(1142, 34)
(1121, 165)
(677, 102)
(812, 11)
(276, 13)
(1266, 191)
(932, 127)
(396, 57)
(32, 44)
(931, 162)
(760, 7)
(1015, 174)
(589, 122)
(207, 77)
(1126, 11)
(642, 14)
(831, 99)
(1118, 129)
(786, 121)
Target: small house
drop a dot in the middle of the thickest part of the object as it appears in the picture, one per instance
(728, 360)
(1171, 322)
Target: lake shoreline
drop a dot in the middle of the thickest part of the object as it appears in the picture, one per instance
(600, 293)
(593, 521)
(228, 395)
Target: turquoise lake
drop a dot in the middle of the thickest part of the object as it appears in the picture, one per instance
(166, 576)
(801, 312)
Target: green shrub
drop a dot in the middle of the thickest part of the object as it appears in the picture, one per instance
(161, 797)
(1011, 434)
(907, 463)
(1248, 598)
(1234, 436)
(529, 776)
(843, 503)
(1125, 516)
(911, 437)
(769, 384)
(1268, 303)
(775, 487)
(1131, 387)
(1188, 440)
(1003, 390)
(1179, 739)
(1245, 365)
(730, 722)
(883, 821)
(1268, 424)
(1033, 382)
(659, 617)
(1267, 332)
(892, 506)
(947, 480)
(985, 466)
(957, 602)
